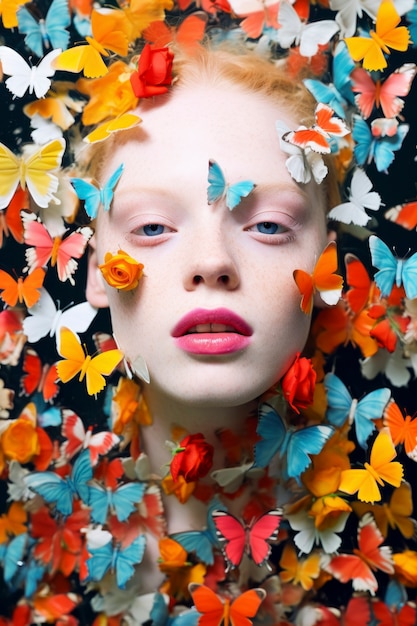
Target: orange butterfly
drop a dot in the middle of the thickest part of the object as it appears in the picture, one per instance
(123, 122)
(317, 137)
(360, 284)
(38, 377)
(387, 34)
(264, 14)
(381, 468)
(111, 30)
(299, 571)
(10, 220)
(76, 361)
(323, 280)
(189, 33)
(231, 613)
(403, 430)
(403, 214)
(369, 556)
(23, 290)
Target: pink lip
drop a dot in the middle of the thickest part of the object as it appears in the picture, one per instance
(236, 337)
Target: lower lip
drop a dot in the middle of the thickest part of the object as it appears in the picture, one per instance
(212, 343)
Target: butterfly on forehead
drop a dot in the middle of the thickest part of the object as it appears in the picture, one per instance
(219, 189)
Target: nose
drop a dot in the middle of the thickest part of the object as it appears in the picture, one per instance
(212, 263)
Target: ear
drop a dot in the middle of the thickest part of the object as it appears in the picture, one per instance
(96, 291)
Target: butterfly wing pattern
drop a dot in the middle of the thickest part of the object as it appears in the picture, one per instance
(219, 189)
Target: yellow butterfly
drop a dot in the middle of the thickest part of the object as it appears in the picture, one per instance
(34, 171)
(299, 571)
(381, 468)
(76, 361)
(111, 31)
(123, 122)
(386, 35)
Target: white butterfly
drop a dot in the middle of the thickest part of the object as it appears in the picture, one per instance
(301, 164)
(394, 365)
(23, 77)
(360, 198)
(44, 318)
(308, 534)
(308, 36)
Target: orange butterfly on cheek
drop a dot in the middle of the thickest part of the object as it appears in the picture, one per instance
(23, 290)
(323, 280)
(215, 611)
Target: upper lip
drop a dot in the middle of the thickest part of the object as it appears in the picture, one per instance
(221, 317)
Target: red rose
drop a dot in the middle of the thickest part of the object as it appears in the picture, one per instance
(192, 459)
(298, 383)
(154, 74)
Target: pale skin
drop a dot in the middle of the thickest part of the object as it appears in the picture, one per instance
(197, 255)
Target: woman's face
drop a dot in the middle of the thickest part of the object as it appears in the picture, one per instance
(217, 313)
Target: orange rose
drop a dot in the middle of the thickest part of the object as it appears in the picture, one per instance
(121, 271)
(20, 441)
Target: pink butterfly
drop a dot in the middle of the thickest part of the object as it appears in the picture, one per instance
(252, 540)
(78, 438)
(384, 95)
(318, 136)
(59, 251)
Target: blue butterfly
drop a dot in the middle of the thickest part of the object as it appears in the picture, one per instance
(202, 541)
(296, 445)
(53, 488)
(112, 558)
(18, 572)
(411, 18)
(391, 269)
(93, 196)
(122, 500)
(341, 406)
(338, 94)
(379, 149)
(218, 188)
(49, 32)
(160, 616)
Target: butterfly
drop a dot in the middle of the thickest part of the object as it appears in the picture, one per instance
(259, 16)
(318, 136)
(76, 361)
(253, 540)
(49, 31)
(376, 147)
(10, 220)
(387, 615)
(381, 468)
(384, 95)
(360, 284)
(404, 215)
(337, 95)
(215, 611)
(393, 270)
(23, 77)
(370, 50)
(121, 500)
(299, 571)
(296, 445)
(301, 164)
(109, 558)
(61, 491)
(94, 195)
(309, 37)
(45, 319)
(38, 377)
(35, 171)
(369, 555)
(186, 35)
(309, 535)
(77, 438)
(23, 290)
(323, 280)
(341, 406)
(103, 131)
(218, 189)
(360, 198)
(403, 430)
(59, 251)
(110, 30)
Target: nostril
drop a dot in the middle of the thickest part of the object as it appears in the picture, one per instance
(197, 280)
(224, 279)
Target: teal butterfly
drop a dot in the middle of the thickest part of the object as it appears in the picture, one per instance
(93, 195)
(219, 189)
(48, 32)
(114, 558)
(391, 269)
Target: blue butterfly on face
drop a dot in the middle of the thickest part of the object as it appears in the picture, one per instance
(393, 270)
(337, 95)
(49, 32)
(53, 488)
(120, 561)
(295, 445)
(219, 189)
(341, 406)
(93, 196)
(379, 149)
(122, 500)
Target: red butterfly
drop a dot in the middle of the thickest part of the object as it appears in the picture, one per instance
(215, 610)
(252, 540)
(387, 616)
(404, 215)
(318, 136)
(361, 286)
(39, 377)
(370, 556)
(77, 438)
(60, 252)
(10, 220)
(188, 34)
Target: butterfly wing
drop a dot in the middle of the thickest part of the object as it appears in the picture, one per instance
(409, 276)
(385, 262)
(370, 407)
(369, 541)
(385, 147)
(397, 84)
(52, 488)
(82, 474)
(99, 499)
(217, 183)
(208, 604)
(57, 20)
(198, 541)
(39, 171)
(109, 186)
(350, 567)
(89, 193)
(272, 430)
(32, 29)
(245, 606)
(339, 400)
(305, 284)
(73, 355)
(9, 175)
(382, 453)
(402, 430)
(100, 366)
(237, 191)
(127, 558)
(233, 535)
(100, 561)
(364, 141)
(264, 530)
(41, 316)
(125, 497)
(302, 443)
(18, 70)
(326, 281)
(70, 249)
(365, 88)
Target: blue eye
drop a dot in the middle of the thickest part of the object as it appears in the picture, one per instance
(268, 228)
(151, 230)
